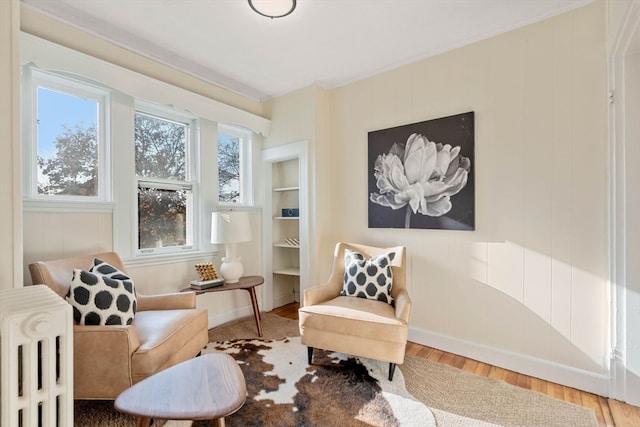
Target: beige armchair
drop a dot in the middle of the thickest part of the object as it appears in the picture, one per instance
(167, 329)
(358, 326)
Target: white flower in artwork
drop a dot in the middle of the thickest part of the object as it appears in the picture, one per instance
(422, 175)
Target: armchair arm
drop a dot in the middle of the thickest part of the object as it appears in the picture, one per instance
(102, 359)
(403, 305)
(173, 301)
(321, 293)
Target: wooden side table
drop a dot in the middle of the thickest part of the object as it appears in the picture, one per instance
(208, 387)
(248, 283)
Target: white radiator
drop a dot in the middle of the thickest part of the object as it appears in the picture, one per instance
(36, 358)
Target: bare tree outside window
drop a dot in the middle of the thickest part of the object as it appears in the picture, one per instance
(229, 168)
(67, 148)
(161, 217)
(164, 196)
(160, 148)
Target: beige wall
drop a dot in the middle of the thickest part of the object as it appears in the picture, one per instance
(532, 279)
(305, 115)
(60, 235)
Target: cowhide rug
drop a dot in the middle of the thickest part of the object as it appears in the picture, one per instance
(284, 390)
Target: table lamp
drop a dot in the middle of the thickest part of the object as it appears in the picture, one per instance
(230, 227)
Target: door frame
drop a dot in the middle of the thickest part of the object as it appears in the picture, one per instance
(624, 81)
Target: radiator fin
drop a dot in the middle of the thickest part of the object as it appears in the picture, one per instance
(36, 358)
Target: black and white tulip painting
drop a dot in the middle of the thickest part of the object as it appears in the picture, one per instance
(421, 175)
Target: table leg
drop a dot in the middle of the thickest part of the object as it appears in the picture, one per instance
(256, 309)
(219, 422)
(143, 422)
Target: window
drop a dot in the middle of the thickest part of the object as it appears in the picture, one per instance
(67, 156)
(150, 200)
(164, 170)
(234, 173)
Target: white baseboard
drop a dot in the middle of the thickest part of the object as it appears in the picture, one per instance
(228, 316)
(531, 366)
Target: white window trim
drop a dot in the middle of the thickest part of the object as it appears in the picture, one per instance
(49, 55)
(190, 182)
(32, 79)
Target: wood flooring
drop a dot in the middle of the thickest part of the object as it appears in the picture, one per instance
(610, 412)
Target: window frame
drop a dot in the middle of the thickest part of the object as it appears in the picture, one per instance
(33, 80)
(246, 169)
(191, 180)
(116, 217)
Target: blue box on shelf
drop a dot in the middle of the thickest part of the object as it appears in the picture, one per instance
(290, 212)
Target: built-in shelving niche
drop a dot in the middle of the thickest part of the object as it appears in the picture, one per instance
(286, 236)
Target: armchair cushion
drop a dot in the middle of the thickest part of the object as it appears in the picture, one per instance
(101, 300)
(356, 317)
(368, 278)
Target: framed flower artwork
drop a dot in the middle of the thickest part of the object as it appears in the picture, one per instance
(421, 175)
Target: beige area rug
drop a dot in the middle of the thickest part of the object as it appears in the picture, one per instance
(455, 391)
(455, 398)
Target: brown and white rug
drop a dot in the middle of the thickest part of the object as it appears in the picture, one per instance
(454, 398)
(284, 390)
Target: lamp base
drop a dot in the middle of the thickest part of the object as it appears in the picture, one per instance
(231, 269)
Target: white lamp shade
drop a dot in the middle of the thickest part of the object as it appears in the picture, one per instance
(230, 227)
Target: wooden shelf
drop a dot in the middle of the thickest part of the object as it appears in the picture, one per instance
(286, 189)
(291, 271)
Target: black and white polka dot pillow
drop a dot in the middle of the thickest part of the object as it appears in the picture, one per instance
(105, 269)
(101, 300)
(368, 278)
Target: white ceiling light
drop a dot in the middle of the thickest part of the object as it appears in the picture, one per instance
(273, 8)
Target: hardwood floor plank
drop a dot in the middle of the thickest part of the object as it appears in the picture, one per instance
(539, 385)
(470, 365)
(498, 373)
(413, 348)
(458, 361)
(572, 395)
(606, 412)
(447, 358)
(511, 378)
(425, 352)
(624, 415)
(524, 381)
(435, 355)
(609, 412)
(555, 390)
(482, 369)
(591, 401)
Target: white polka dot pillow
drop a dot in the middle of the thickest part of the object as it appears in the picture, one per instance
(98, 299)
(368, 278)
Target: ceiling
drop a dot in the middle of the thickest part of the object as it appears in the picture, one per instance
(326, 42)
